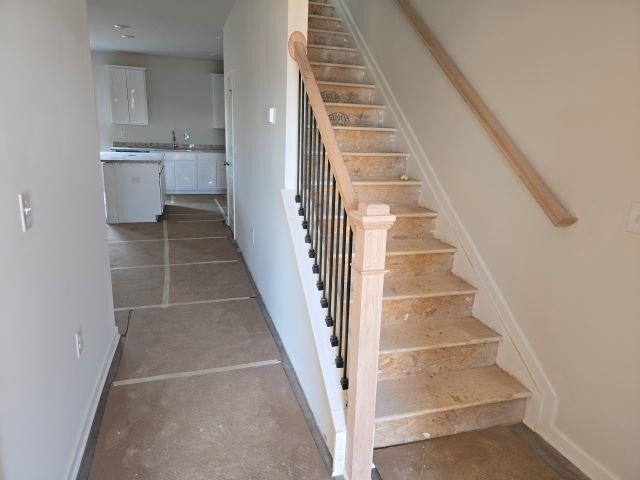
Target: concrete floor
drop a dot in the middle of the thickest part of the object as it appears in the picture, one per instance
(200, 391)
(499, 453)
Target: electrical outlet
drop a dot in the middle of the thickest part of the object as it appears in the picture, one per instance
(79, 343)
(634, 218)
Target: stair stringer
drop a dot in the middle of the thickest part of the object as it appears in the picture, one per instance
(516, 354)
(334, 434)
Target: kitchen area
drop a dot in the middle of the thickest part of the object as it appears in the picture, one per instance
(162, 132)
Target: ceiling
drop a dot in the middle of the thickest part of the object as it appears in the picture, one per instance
(184, 28)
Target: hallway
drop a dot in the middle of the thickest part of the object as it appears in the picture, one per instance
(200, 391)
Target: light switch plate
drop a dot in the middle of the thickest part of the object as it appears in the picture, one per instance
(272, 115)
(25, 210)
(634, 218)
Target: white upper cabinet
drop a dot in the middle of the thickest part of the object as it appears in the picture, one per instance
(137, 88)
(217, 91)
(128, 92)
(119, 96)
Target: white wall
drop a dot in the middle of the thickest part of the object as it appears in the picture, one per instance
(563, 78)
(255, 50)
(55, 278)
(178, 94)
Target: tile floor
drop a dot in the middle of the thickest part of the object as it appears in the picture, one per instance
(200, 392)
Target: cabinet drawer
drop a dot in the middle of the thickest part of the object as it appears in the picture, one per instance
(180, 156)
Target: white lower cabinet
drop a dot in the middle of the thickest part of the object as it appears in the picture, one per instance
(186, 175)
(191, 172)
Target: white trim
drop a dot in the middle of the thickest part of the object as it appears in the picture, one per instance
(195, 373)
(93, 406)
(543, 419)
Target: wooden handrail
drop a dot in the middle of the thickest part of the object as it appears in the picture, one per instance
(298, 51)
(558, 215)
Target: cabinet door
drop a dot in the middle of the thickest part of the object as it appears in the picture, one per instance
(170, 174)
(206, 171)
(118, 91)
(222, 172)
(217, 89)
(186, 175)
(137, 88)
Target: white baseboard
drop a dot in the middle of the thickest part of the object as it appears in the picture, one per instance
(93, 405)
(542, 418)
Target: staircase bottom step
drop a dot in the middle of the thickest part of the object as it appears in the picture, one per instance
(426, 406)
(450, 422)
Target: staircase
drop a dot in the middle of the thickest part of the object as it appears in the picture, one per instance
(436, 370)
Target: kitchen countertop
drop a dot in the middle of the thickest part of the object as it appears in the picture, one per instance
(166, 147)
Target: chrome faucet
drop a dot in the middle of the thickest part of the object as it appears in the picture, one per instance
(174, 144)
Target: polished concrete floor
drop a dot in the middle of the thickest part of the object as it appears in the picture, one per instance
(200, 391)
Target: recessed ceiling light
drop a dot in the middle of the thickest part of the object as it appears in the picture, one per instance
(127, 35)
(121, 26)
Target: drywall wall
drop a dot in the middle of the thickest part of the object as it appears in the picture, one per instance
(255, 50)
(178, 95)
(54, 279)
(569, 97)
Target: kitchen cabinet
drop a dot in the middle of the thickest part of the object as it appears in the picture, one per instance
(217, 93)
(170, 174)
(206, 174)
(191, 172)
(186, 175)
(128, 95)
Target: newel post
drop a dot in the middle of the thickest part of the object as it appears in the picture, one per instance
(370, 224)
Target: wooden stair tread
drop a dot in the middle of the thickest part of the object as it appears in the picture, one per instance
(382, 181)
(329, 32)
(435, 333)
(412, 246)
(436, 284)
(331, 47)
(346, 84)
(355, 105)
(374, 154)
(412, 211)
(367, 129)
(424, 394)
(338, 65)
(324, 17)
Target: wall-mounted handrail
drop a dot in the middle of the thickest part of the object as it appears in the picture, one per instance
(298, 51)
(556, 212)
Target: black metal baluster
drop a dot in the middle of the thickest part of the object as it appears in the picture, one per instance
(300, 106)
(305, 146)
(312, 186)
(335, 341)
(330, 221)
(344, 381)
(316, 231)
(321, 230)
(343, 261)
(307, 207)
(309, 216)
